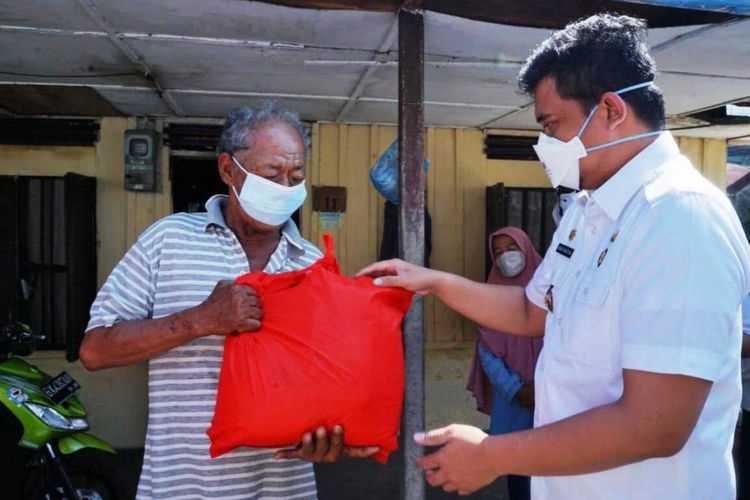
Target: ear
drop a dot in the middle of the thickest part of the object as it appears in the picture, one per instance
(615, 108)
(227, 169)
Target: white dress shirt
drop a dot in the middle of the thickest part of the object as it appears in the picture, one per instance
(645, 273)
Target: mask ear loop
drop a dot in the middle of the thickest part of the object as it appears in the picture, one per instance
(236, 162)
(624, 139)
(586, 123)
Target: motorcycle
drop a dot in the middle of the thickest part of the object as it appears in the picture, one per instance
(48, 453)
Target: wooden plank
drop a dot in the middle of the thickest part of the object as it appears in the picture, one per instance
(459, 243)
(447, 252)
(529, 13)
(164, 197)
(111, 198)
(327, 174)
(312, 167)
(430, 302)
(353, 174)
(386, 136)
(472, 169)
(692, 147)
(340, 180)
(375, 212)
(538, 14)
(715, 162)
(130, 219)
(411, 232)
(369, 5)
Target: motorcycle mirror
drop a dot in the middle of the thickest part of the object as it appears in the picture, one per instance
(25, 290)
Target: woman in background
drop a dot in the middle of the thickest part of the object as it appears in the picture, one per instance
(502, 373)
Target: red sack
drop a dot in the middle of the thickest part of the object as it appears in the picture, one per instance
(328, 353)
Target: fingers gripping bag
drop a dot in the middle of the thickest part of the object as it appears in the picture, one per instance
(328, 353)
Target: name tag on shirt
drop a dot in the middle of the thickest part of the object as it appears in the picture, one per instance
(565, 250)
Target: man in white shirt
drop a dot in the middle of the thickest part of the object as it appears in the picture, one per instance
(744, 455)
(638, 297)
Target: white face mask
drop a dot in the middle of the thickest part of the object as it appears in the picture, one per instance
(511, 263)
(267, 201)
(561, 159)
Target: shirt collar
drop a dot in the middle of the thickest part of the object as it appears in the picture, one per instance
(614, 194)
(215, 217)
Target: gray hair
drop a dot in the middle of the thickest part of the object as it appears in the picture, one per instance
(242, 120)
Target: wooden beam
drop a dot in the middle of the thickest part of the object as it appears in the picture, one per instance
(531, 13)
(411, 229)
(371, 5)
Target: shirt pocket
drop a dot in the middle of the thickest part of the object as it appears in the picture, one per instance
(593, 320)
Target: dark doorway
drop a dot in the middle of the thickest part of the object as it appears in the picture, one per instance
(527, 208)
(49, 240)
(194, 181)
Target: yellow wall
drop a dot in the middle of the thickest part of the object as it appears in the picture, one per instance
(709, 156)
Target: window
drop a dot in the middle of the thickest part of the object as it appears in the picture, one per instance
(527, 208)
(49, 239)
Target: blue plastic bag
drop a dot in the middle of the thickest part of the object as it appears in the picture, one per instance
(384, 174)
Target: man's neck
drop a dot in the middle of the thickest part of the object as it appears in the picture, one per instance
(247, 234)
(620, 155)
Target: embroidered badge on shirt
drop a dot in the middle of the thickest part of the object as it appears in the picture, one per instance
(565, 250)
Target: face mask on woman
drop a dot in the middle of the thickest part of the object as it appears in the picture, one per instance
(511, 263)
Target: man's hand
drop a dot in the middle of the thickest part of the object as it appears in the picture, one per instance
(525, 395)
(229, 309)
(397, 273)
(317, 448)
(462, 465)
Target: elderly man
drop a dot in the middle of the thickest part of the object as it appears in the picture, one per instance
(638, 297)
(171, 300)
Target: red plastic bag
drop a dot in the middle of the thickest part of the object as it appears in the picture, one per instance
(328, 353)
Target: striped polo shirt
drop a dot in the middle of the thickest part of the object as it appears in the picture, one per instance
(175, 265)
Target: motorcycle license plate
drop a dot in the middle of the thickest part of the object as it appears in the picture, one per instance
(60, 388)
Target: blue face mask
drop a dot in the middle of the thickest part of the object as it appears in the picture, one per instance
(561, 159)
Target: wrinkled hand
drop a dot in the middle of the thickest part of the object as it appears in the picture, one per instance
(525, 395)
(462, 464)
(229, 309)
(397, 273)
(317, 448)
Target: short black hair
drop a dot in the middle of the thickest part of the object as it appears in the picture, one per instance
(599, 54)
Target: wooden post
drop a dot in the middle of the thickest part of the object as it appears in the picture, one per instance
(411, 227)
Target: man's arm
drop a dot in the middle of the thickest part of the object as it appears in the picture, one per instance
(496, 307)
(654, 418)
(229, 309)
(745, 345)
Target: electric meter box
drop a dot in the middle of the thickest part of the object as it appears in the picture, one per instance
(141, 149)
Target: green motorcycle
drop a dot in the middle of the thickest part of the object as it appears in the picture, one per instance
(46, 452)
